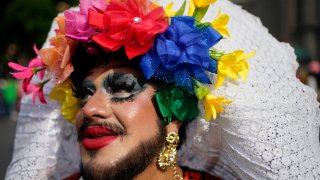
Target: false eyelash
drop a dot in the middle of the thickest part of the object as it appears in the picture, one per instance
(123, 99)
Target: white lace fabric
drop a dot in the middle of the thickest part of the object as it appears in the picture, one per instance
(270, 131)
(45, 144)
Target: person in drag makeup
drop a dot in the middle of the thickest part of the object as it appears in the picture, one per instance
(153, 92)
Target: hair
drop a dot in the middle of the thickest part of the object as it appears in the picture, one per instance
(83, 63)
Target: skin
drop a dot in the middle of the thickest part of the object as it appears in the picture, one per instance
(137, 117)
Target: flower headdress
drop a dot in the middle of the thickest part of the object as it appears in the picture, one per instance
(175, 49)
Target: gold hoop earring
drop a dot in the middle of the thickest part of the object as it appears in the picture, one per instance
(168, 155)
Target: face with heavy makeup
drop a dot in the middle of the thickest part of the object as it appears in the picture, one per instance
(120, 134)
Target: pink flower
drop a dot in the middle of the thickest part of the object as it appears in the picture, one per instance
(36, 66)
(132, 24)
(37, 90)
(76, 22)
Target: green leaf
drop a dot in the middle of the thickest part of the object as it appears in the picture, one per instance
(199, 13)
(175, 103)
(182, 9)
(215, 55)
(203, 25)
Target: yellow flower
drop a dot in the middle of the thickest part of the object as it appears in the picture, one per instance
(214, 105)
(63, 94)
(203, 3)
(233, 65)
(199, 4)
(192, 8)
(220, 24)
(168, 10)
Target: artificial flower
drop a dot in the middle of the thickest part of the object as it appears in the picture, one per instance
(37, 91)
(63, 93)
(35, 66)
(60, 20)
(175, 102)
(214, 105)
(233, 65)
(192, 8)
(133, 25)
(200, 90)
(198, 8)
(76, 22)
(220, 24)
(215, 55)
(181, 53)
(168, 10)
(202, 3)
(58, 57)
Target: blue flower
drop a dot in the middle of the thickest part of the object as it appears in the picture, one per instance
(181, 53)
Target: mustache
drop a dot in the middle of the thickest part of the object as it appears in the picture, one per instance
(116, 129)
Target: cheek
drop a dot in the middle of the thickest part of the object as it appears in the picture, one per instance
(138, 115)
(78, 122)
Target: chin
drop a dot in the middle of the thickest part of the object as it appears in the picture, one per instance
(119, 162)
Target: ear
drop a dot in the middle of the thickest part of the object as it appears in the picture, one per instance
(173, 126)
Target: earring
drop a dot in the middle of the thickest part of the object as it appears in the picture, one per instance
(168, 155)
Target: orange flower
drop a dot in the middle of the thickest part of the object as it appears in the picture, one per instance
(58, 57)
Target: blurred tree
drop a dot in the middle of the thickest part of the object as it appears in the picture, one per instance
(25, 22)
(22, 24)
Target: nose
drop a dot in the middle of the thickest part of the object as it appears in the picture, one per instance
(97, 107)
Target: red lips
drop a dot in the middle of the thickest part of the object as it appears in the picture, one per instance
(96, 137)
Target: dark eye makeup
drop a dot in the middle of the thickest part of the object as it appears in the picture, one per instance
(123, 86)
(120, 86)
(84, 92)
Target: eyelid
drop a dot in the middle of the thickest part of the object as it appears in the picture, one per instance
(84, 92)
(123, 87)
(122, 81)
(88, 85)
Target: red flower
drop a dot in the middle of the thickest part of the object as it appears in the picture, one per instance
(37, 90)
(133, 24)
(36, 66)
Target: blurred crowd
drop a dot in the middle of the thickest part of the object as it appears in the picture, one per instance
(309, 74)
(10, 95)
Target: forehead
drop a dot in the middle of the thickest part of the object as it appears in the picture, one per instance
(114, 66)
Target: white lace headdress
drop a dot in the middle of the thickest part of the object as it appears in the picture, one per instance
(270, 131)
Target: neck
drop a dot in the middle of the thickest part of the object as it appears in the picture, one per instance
(152, 172)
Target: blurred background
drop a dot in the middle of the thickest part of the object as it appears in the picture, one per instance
(24, 23)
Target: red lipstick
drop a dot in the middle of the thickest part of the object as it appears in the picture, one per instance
(96, 137)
